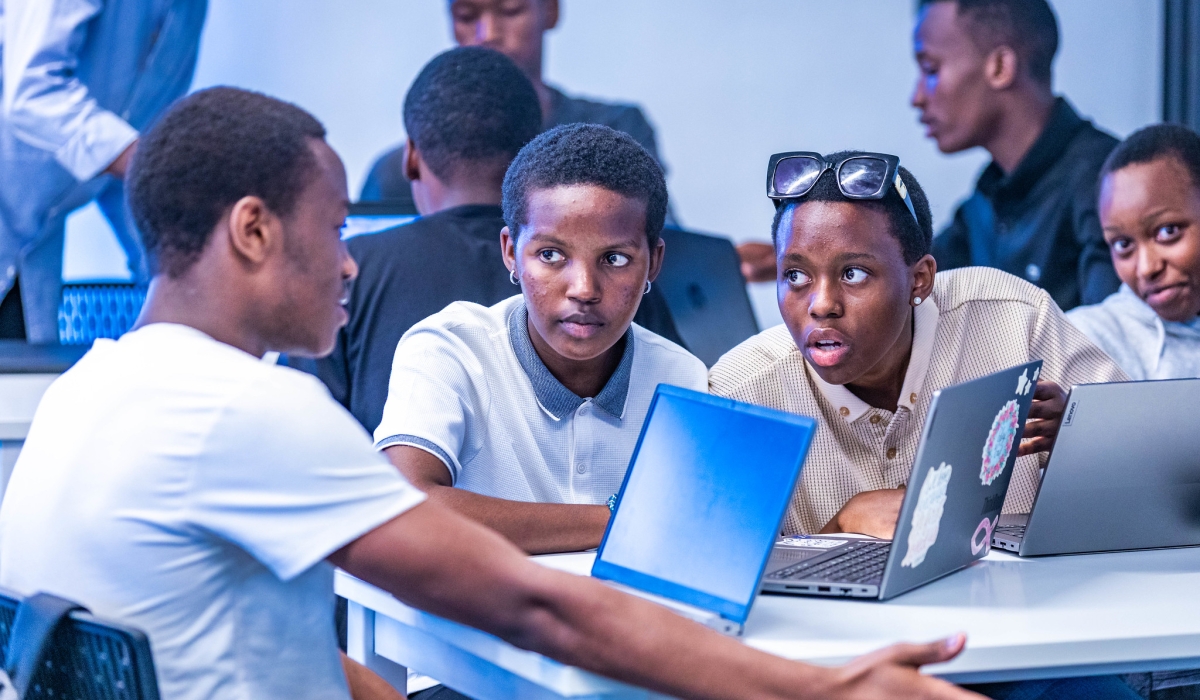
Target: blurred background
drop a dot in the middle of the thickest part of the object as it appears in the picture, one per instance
(724, 84)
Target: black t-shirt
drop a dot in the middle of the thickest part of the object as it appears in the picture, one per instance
(413, 271)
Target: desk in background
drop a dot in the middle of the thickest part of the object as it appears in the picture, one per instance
(26, 371)
(1123, 612)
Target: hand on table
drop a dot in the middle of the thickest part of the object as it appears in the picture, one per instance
(872, 513)
(892, 673)
(758, 261)
(1045, 418)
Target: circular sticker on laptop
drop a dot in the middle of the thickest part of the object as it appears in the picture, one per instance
(927, 516)
(999, 442)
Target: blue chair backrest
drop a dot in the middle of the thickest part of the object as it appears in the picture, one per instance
(91, 311)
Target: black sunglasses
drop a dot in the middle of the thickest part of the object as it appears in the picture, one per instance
(860, 176)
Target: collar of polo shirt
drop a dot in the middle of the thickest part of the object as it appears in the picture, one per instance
(555, 399)
(851, 408)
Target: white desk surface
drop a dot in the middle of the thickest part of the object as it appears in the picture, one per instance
(19, 397)
(1025, 618)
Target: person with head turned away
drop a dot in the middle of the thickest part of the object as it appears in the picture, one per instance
(524, 415)
(871, 330)
(1150, 210)
(986, 81)
(515, 28)
(174, 481)
(467, 114)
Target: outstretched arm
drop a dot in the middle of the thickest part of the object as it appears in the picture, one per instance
(435, 560)
(538, 528)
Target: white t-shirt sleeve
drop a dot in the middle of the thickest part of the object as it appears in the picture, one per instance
(290, 477)
(433, 403)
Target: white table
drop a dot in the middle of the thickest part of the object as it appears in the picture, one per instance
(26, 371)
(19, 397)
(1025, 618)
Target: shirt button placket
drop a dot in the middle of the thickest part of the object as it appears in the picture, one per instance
(583, 451)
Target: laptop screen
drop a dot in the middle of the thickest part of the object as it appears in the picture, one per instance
(703, 499)
(358, 224)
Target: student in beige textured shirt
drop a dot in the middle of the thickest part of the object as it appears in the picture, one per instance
(870, 332)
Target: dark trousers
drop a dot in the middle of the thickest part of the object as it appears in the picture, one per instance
(12, 315)
(438, 692)
(1089, 688)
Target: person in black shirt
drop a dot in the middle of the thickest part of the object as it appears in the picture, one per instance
(514, 28)
(985, 80)
(467, 114)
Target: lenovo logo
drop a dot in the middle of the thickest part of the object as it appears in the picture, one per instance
(1070, 413)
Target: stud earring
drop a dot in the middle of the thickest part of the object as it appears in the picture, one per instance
(512, 277)
(916, 301)
(647, 289)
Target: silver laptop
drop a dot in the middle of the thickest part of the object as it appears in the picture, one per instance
(951, 507)
(1124, 473)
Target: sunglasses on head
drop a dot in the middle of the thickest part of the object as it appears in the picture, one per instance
(861, 176)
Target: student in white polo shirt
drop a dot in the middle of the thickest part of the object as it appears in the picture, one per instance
(524, 415)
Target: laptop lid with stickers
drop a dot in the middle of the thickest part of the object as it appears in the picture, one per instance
(960, 477)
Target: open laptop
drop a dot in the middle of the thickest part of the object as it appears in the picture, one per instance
(701, 504)
(952, 504)
(702, 281)
(1124, 473)
(373, 217)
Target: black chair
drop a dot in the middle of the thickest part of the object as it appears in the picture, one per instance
(61, 651)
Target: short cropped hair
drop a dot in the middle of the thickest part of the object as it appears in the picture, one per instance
(209, 150)
(1028, 26)
(915, 237)
(586, 154)
(471, 105)
(1154, 142)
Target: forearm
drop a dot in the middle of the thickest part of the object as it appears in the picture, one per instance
(584, 623)
(537, 528)
(457, 569)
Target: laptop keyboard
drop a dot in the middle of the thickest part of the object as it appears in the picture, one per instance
(860, 562)
(1015, 531)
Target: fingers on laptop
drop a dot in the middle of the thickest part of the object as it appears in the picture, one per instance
(1049, 401)
(1045, 416)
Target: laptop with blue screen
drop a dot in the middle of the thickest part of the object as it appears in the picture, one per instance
(701, 504)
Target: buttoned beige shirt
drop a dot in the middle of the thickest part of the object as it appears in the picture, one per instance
(978, 321)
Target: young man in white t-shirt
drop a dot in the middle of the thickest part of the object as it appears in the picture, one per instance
(174, 482)
(523, 416)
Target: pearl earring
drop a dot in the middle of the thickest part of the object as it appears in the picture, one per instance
(916, 301)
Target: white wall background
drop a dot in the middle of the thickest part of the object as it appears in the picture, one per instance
(725, 83)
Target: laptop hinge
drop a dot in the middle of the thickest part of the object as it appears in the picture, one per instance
(707, 618)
